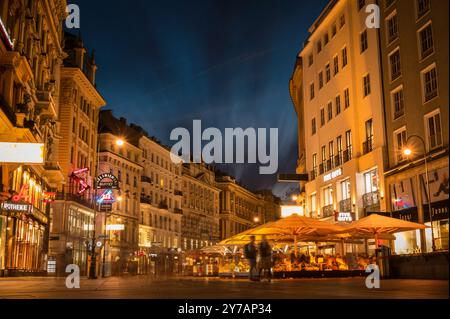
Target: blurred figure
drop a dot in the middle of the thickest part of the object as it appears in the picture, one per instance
(250, 254)
(265, 254)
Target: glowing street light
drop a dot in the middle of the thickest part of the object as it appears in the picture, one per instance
(120, 142)
(294, 197)
(407, 151)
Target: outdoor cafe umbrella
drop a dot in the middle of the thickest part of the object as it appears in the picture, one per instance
(378, 225)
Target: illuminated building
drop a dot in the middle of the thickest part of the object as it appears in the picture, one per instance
(123, 160)
(241, 209)
(79, 103)
(200, 222)
(415, 64)
(335, 88)
(160, 207)
(30, 60)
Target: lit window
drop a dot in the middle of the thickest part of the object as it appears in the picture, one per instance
(400, 143)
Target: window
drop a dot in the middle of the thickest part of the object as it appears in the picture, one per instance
(330, 111)
(333, 30)
(423, 6)
(400, 143)
(426, 41)
(434, 132)
(344, 57)
(366, 85)
(429, 83)
(342, 21)
(363, 41)
(348, 144)
(310, 60)
(397, 102)
(392, 30)
(326, 39)
(346, 98)
(311, 91)
(328, 72)
(336, 65)
(319, 46)
(345, 189)
(322, 117)
(371, 181)
(314, 162)
(339, 148)
(324, 155)
(361, 4)
(313, 126)
(338, 104)
(368, 144)
(313, 206)
(395, 66)
(331, 151)
(328, 196)
(320, 79)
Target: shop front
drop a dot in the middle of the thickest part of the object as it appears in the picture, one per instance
(23, 226)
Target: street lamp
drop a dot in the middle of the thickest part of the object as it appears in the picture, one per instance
(92, 268)
(407, 152)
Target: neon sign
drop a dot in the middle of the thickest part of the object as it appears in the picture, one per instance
(22, 194)
(106, 198)
(107, 180)
(79, 176)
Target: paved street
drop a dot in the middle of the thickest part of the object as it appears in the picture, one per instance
(148, 287)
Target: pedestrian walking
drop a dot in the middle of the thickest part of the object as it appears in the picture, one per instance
(265, 257)
(250, 254)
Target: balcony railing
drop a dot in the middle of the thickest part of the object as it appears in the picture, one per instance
(163, 205)
(328, 210)
(178, 192)
(347, 154)
(146, 179)
(75, 198)
(322, 168)
(313, 174)
(371, 199)
(177, 210)
(338, 159)
(329, 164)
(146, 199)
(368, 145)
(345, 205)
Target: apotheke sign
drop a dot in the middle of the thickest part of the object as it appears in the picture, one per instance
(333, 174)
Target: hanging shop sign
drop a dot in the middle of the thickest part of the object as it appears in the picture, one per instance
(16, 207)
(105, 207)
(26, 153)
(49, 197)
(107, 181)
(106, 198)
(79, 176)
(331, 175)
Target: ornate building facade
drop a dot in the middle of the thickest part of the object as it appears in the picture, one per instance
(79, 104)
(31, 55)
(200, 222)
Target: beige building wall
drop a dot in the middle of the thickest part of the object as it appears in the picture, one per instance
(160, 197)
(412, 114)
(347, 21)
(200, 221)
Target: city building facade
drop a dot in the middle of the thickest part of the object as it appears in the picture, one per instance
(160, 208)
(200, 204)
(336, 90)
(414, 54)
(241, 209)
(120, 156)
(30, 58)
(73, 213)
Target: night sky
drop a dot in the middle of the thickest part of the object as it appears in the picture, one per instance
(162, 64)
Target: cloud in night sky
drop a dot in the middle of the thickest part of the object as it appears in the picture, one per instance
(163, 64)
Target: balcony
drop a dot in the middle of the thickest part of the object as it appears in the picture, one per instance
(146, 179)
(347, 155)
(321, 168)
(75, 198)
(145, 199)
(178, 192)
(338, 160)
(177, 210)
(327, 211)
(329, 164)
(345, 205)
(368, 145)
(163, 205)
(371, 199)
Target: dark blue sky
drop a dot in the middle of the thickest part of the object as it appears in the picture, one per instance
(228, 63)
